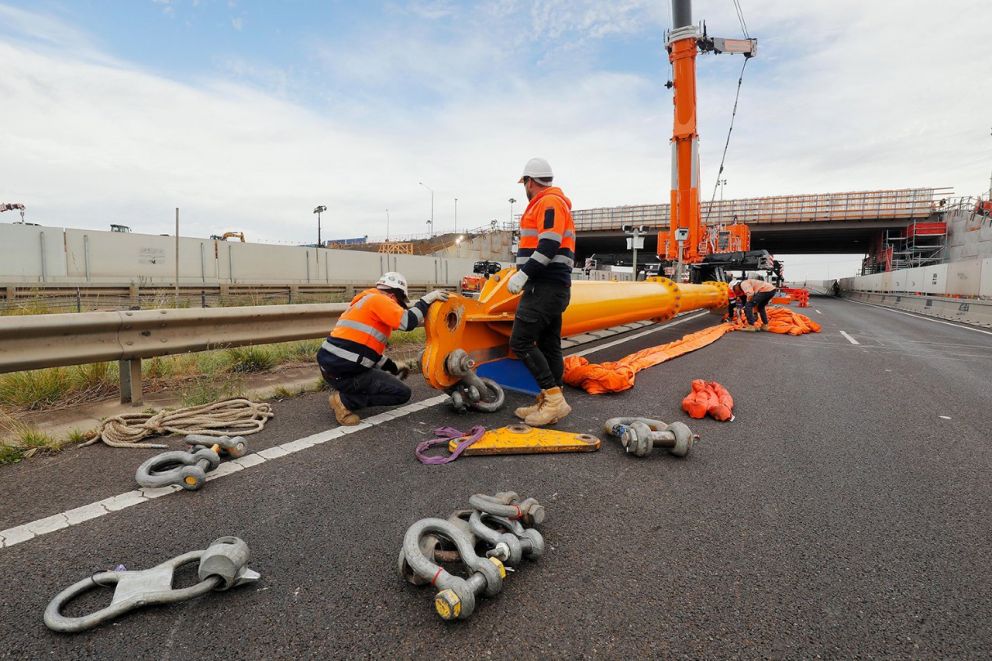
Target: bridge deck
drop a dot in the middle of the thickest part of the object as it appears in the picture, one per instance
(899, 204)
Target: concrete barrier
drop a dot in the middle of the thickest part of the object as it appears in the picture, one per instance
(974, 311)
(54, 255)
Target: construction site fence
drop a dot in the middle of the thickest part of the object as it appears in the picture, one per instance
(71, 257)
(970, 278)
(898, 204)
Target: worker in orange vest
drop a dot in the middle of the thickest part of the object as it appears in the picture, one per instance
(545, 258)
(758, 294)
(352, 359)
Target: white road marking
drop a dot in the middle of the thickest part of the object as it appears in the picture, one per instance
(924, 318)
(849, 338)
(817, 311)
(27, 531)
(586, 352)
(944, 417)
(78, 515)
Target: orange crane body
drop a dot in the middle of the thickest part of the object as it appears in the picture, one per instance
(684, 208)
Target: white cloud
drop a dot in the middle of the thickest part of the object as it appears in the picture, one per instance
(238, 23)
(844, 95)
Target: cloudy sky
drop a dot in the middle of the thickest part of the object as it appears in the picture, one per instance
(248, 114)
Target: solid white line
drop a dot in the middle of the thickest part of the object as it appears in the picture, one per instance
(924, 318)
(27, 531)
(78, 515)
(849, 338)
(817, 311)
(586, 352)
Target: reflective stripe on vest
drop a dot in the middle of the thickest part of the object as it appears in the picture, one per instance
(351, 356)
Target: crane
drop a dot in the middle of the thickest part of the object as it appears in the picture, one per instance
(687, 240)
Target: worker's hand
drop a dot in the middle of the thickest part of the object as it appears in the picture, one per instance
(517, 282)
(391, 367)
(435, 296)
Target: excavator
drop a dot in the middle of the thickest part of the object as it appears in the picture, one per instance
(228, 235)
(467, 353)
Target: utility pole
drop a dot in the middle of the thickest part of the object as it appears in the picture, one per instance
(177, 257)
(432, 205)
(456, 214)
(511, 201)
(319, 210)
(387, 224)
(635, 242)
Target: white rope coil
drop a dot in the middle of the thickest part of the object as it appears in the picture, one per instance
(231, 417)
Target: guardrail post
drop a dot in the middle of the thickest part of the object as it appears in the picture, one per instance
(11, 294)
(134, 294)
(349, 291)
(130, 381)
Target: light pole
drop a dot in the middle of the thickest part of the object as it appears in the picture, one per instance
(387, 224)
(456, 214)
(430, 228)
(635, 241)
(511, 201)
(723, 182)
(319, 210)
(432, 204)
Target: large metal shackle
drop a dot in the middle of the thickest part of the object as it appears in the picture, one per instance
(641, 435)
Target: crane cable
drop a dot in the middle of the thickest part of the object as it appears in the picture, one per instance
(726, 144)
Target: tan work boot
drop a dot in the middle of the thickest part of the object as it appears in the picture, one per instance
(341, 412)
(551, 410)
(749, 329)
(525, 411)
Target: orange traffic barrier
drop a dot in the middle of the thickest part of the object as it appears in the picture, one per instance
(709, 397)
(618, 376)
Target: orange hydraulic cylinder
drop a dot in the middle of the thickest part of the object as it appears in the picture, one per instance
(482, 326)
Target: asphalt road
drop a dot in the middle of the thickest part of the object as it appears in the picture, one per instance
(844, 513)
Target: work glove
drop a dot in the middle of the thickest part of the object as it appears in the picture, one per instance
(517, 282)
(391, 367)
(435, 296)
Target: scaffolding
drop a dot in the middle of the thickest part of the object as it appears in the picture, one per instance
(920, 244)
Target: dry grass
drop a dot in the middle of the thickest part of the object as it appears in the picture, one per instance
(19, 440)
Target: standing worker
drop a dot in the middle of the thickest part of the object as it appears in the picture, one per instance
(758, 293)
(352, 359)
(544, 274)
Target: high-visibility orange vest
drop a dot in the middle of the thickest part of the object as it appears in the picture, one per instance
(369, 320)
(548, 217)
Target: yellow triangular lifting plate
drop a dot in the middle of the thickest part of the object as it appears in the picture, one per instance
(521, 439)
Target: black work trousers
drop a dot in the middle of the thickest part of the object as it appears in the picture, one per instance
(536, 335)
(371, 387)
(758, 302)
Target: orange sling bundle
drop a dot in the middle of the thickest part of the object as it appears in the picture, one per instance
(618, 376)
(787, 322)
(709, 397)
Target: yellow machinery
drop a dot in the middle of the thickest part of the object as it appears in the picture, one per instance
(463, 333)
(521, 439)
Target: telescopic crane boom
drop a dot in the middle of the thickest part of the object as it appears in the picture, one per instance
(686, 234)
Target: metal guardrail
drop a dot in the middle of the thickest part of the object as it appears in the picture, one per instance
(58, 340)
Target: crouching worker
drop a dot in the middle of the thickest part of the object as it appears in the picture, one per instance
(758, 294)
(352, 360)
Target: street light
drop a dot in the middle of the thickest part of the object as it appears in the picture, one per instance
(319, 210)
(511, 201)
(432, 203)
(635, 241)
(722, 182)
(430, 228)
(387, 224)
(456, 214)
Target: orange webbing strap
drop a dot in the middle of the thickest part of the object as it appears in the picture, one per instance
(618, 376)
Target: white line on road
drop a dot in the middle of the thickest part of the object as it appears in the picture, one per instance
(817, 311)
(924, 318)
(849, 338)
(78, 515)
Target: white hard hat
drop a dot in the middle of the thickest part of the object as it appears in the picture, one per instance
(393, 280)
(734, 283)
(537, 168)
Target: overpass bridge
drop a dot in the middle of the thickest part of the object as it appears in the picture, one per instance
(814, 223)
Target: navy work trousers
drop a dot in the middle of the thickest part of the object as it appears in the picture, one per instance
(536, 334)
